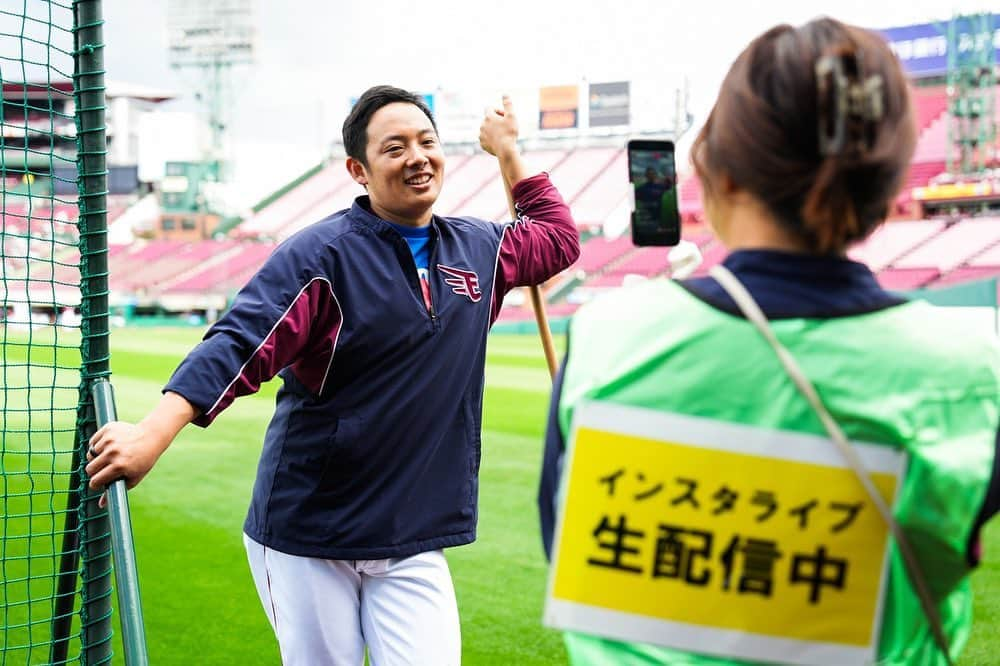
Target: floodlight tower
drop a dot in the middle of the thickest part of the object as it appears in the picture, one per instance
(212, 38)
(972, 82)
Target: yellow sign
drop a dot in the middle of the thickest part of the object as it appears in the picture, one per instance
(953, 191)
(720, 538)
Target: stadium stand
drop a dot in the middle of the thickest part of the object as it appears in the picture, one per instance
(580, 169)
(598, 252)
(930, 103)
(464, 181)
(920, 174)
(932, 146)
(138, 257)
(906, 253)
(968, 274)
(490, 201)
(224, 277)
(689, 203)
(954, 246)
(338, 199)
(891, 241)
(289, 211)
(607, 189)
(989, 258)
(903, 279)
(646, 261)
(168, 265)
(984, 261)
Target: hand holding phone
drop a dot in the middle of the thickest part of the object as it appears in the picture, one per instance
(653, 176)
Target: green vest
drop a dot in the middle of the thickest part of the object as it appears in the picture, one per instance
(904, 377)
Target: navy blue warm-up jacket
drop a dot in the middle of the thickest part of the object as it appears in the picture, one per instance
(373, 450)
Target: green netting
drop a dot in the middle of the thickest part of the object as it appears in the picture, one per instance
(53, 336)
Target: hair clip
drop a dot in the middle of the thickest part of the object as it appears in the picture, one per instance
(848, 107)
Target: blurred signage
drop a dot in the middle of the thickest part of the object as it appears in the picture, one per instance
(948, 191)
(182, 185)
(558, 107)
(123, 179)
(923, 49)
(200, 33)
(609, 104)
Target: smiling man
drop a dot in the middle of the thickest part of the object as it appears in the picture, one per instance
(376, 319)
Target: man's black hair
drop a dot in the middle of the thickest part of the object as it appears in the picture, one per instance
(356, 125)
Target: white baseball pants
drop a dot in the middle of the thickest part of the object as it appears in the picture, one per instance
(325, 612)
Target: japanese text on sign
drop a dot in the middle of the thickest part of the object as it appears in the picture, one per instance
(754, 537)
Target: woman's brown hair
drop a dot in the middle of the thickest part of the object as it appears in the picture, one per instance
(817, 123)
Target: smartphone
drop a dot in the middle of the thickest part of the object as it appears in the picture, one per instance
(652, 174)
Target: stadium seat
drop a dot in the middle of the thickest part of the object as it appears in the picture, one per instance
(953, 246)
(297, 205)
(892, 240)
(968, 274)
(904, 279)
(225, 277)
(597, 252)
(465, 181)
(595, 203)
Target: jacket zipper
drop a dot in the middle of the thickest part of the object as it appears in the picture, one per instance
(432, 239)
(425, 297)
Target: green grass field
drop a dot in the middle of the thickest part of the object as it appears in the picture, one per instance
(199, 600)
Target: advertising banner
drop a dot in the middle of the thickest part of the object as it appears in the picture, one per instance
(558, 107)
(923, 48)
(609, 104)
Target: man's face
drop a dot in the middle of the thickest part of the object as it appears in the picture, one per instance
(405, 164)
(650, 176)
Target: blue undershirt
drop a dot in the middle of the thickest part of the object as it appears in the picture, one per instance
(418, 238)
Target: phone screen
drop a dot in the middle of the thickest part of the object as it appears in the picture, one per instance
(652, 174)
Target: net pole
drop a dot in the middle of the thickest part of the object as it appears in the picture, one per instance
(88, 86)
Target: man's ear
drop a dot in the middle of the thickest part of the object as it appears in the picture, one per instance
(357, 171)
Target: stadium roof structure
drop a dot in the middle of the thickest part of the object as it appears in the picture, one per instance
(25, 90)
(34, 90)
(135, 91)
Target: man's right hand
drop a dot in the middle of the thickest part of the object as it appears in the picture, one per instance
(122, 450)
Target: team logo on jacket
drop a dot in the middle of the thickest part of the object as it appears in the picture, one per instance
(462, 282)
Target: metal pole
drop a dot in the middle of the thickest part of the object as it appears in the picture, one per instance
(122, 545)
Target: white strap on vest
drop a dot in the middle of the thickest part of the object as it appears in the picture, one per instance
(752, 311)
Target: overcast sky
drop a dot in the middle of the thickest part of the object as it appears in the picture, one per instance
(312, 55)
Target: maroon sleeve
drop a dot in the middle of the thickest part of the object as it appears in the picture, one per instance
(540, 243)
(262, 333)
